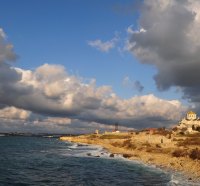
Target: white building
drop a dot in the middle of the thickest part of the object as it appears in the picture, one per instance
(190, 122)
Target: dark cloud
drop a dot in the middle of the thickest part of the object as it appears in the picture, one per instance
(138, 86)
(169, 39)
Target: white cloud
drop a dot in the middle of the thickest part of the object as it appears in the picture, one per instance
(58, 120)
(60, 98)
(104, 46)
(6, 49)
(2, 34)
(49, 98)
(14, 113)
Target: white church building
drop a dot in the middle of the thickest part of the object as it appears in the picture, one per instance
(190, 122)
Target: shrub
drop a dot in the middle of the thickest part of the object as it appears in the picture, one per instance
(195, 154)
(194, 135)
(92, 136)
(158, 146)
(179, 153)
(127, 155)
(175, 139)
(129, 145)
(116, 144)
(189, 141)
(149, 150)
(182, 133)
(163, 132)
(147, 144)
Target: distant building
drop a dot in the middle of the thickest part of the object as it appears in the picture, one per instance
(116, 130)
(152, 130)
(190, 123)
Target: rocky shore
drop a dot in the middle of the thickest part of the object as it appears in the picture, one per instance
(178, 153)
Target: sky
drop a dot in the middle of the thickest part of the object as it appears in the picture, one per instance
(75, 66)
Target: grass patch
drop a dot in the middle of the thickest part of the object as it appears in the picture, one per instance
(197, 135)
(92, 136)
(116, 144)
(176, 139)
(189, 141)
(113, 136)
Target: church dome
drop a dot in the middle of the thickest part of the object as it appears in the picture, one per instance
(191, 112)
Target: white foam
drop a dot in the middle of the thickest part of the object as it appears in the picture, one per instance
(74, 146)
(178, 179)
(94, 151)
(173, 181)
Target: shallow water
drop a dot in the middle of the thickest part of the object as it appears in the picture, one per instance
(48, 161)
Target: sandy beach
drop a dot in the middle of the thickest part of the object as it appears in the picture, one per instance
(177, 153)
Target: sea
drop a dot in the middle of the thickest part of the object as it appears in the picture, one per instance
(42, 161)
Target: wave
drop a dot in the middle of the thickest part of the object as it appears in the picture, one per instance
(178, 179)
(73, 146)
(95, 151)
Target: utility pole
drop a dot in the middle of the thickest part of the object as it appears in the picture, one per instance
(116, 127)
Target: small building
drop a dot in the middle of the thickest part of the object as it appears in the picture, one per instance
(150, 130)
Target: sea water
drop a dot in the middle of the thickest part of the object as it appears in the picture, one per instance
(48, 161)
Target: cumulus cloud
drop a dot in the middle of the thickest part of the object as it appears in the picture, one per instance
(61, 95)
(168, 38)
(14, 113)
(49, 98)
(103, 46)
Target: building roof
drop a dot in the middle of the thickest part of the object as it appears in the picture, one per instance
(191, 112)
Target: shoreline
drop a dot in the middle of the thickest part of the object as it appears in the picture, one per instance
(188, 168)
